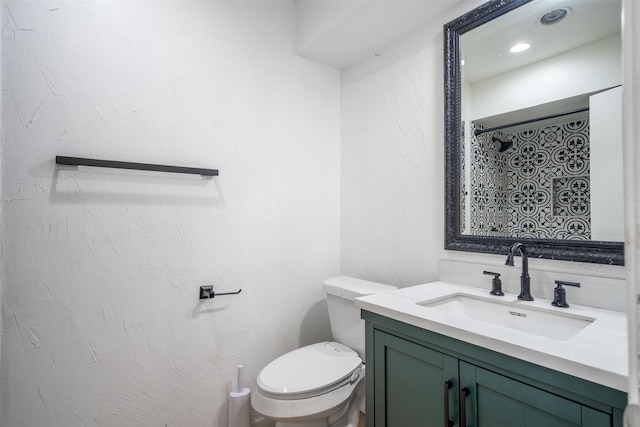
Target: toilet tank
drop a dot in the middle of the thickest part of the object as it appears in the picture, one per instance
(346, 325)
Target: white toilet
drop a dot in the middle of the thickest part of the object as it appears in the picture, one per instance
(321, 385)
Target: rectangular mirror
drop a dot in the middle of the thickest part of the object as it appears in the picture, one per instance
(533, 129)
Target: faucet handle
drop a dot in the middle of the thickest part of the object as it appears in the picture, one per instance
(496, 283)
(560, 294)
(562, 283)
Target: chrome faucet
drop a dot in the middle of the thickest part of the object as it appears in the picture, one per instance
(525, 280)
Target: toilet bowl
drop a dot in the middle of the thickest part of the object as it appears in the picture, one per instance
(310, 384)
(321, 385)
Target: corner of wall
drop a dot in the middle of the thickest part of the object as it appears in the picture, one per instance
(2, 16)
(631, 106)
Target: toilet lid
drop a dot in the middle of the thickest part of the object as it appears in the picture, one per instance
(309, 371)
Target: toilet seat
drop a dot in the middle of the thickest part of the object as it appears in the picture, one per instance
(310, 371)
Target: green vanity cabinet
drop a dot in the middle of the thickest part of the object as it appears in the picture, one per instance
(415, 377)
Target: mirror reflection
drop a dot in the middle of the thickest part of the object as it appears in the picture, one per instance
(541, 111)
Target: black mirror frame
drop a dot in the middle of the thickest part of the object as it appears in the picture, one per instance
(599, 252)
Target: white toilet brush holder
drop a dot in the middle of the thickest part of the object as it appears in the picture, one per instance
(240, 403)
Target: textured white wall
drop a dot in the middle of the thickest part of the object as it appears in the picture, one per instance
(392, 168)
(101, 268)
(392, 159)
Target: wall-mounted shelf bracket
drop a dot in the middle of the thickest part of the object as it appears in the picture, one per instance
(81, 161)
(207, 292)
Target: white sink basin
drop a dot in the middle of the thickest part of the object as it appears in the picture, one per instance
(512, 314)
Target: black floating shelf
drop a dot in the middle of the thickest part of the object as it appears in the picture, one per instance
(79, 161)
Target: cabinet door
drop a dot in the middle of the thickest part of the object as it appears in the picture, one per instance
(495, 401)
(414, 386)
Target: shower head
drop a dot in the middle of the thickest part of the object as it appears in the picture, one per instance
(504, 145)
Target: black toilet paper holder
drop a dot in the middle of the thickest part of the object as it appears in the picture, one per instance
(207, 292)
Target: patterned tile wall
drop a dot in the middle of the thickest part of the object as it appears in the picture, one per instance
(537, 188)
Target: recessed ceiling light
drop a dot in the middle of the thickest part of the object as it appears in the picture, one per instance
(520, 47)
(554, 16)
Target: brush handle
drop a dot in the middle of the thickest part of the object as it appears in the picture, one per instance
(240, 380)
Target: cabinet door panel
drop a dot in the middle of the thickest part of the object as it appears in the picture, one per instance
(497, 401)
(409, 390)
(593, 418)
(497, 409)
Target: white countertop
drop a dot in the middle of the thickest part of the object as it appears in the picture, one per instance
(597, 353)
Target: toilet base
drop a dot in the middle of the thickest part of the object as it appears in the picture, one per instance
(346, 416)
(317, 423)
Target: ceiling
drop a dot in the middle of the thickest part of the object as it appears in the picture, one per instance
(342, 32)
(485, 49)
